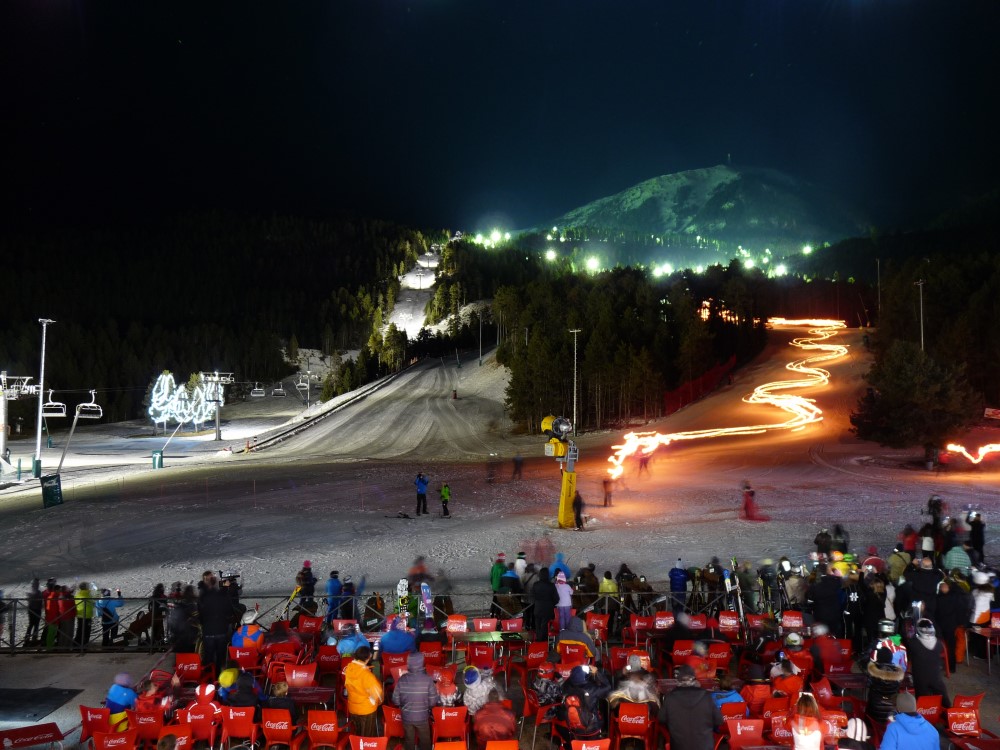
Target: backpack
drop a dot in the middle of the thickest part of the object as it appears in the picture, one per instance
(579, 717)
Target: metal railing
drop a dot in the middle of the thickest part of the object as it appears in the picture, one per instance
(144, 624)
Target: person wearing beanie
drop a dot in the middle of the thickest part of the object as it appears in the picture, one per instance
(756, 690)
(580, 712)
(547, 685)
(689, 713)
(564, 607)
(478, 684)
(497, 571)
(521, 565)
(909, 730)
(398, 640)
(121, 698)
(448, 693)
(856, 735)
(415, 693)
(636, 685)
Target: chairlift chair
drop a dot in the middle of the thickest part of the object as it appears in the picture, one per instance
(53, 408)
(91, 410)
(302, 385)
(278, 390)
(257, 391)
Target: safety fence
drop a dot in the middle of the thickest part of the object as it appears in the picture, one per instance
(147, 624)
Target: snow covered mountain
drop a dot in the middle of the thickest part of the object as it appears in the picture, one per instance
(748, 206)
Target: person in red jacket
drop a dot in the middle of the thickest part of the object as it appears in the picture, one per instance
(494, 721)
(51, 605)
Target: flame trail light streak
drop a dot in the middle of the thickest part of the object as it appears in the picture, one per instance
(982, 453)
(801, 410)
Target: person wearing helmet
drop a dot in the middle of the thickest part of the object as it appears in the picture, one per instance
(250, 634)
(121, 698)
(206, 695)
(926, 656)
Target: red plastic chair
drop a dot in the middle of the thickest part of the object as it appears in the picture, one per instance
(449, 723)
(698, 622)
(734, 710)
(277, 727)
(791, 620)
(203, 723)
(450, 745)
(968, 701)
(663, 620)
(182, 735)
(929, 706)
(147, 725)
(682, 650)
(774, 706)
(533, 658)
(531, 708)
(114, 740)
(367, 743)
(481, 656)
(238, 724)
(591, 745)
(94, 720)
(632, 723)
(484, 624)
(301, 675)
(745, 733)
(573, 653)
(729, 626)
(433, 653)
(321, 732)
(597, 625)
(247, 659)
(781, 729)
(328, 661)
(720, 655)
(512, 625)
(309, 626)
(393, 723)
(636, 631)
(190, 670)
(503, 745)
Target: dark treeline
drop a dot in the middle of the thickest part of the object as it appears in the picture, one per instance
(202, 292)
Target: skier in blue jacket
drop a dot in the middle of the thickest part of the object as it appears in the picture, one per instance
(421, 483)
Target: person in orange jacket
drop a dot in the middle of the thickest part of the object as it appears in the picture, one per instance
(364, 693)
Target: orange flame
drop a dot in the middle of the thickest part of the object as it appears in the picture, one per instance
(982, 453)
(802, 410)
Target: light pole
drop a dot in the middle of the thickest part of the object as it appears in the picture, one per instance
(37, 468)
(574, 331)
(920, 284)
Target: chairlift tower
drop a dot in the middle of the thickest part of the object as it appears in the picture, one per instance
(37, 467)
(12, 387)
(215, 383)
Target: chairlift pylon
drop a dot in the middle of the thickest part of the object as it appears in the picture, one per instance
(257, 391)
(53, 408)
(91, 410)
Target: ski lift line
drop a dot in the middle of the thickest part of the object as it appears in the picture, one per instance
(802, 410)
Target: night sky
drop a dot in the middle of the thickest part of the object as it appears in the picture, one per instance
(463, 113)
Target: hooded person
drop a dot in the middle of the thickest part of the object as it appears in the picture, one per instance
(689, 713)
(121, 698)
(580, 712)
(521, 565)
(756, 690)
(493, 721)
(364, 694)
(415, 693)
(398, 640)
(244, 692)
(497, 571)
(909, 730)
(884, 679)
(926, 656)
(559, 565)
(575, 634)
(205, 695)
(636, 685)
(547, 685)
(564, 607)
(478, 684)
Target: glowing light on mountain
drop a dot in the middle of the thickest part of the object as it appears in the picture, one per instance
(801, 411)
(981, 453)
(550, 255)
(593, 264)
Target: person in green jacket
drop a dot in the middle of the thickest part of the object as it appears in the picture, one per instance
(84, 615)
(445, 498)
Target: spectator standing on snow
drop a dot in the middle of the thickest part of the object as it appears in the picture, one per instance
(578, 506)
(564, 606)
(445, 499)
(544, 598)
(421, 483)
(977, 533)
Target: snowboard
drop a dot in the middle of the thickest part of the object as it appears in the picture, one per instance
(427, 606)
(402, 599)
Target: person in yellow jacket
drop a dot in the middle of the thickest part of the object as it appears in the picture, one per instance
(364, 693)
(84, 615)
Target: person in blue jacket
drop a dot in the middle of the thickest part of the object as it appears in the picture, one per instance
(421, 483)
(398, 640)
(559, 564)
(107, 608)
(678, 585)
(333, 590)
(121, 697)
(908, 729)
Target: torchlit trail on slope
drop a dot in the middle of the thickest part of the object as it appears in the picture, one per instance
(801, 410)
(982, 453)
